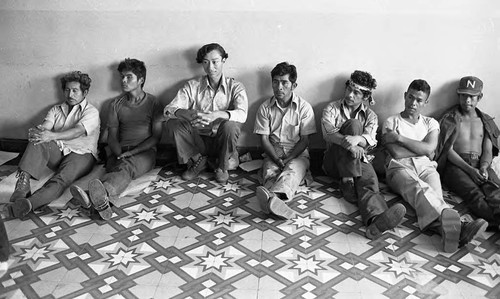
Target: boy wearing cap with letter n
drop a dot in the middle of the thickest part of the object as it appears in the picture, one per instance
(467, 144)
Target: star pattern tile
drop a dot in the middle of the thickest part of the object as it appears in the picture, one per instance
(202, 239)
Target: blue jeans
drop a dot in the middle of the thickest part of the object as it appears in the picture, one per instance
(119, 173)
(37, 158)
(484, 200)
(338, 163)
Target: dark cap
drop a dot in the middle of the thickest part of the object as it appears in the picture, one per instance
(470, 85)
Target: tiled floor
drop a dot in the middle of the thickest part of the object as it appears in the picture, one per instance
(200, 239)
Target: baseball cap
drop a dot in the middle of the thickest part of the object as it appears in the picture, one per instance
(470, 85)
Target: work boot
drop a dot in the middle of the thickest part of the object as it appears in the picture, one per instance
(195, 169)
(83, 199)
(389, 219)
(348, 190)
(450, 230)
(22, 189)
(471, 230)
(263, 196)
(100, 200)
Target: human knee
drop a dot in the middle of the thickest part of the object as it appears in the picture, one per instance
(178, 125)
(352, 127)
(230, 129)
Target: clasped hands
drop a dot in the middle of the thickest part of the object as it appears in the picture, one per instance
(199, 119)
(39, 135)
(350, 143)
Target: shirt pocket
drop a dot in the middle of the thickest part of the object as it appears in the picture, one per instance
(292, 126)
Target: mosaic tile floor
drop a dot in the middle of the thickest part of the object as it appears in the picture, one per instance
(200, 239)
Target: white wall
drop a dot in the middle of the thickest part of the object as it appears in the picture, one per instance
(397, 41)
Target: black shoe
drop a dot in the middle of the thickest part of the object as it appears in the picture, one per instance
(391, 218)
(348, 190)
(471, 230)
(195, 169)
(23, 188)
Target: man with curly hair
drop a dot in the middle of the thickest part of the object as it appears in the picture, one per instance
(66, 142)
(410, 139)
(134, 128)
(349, 129)
(205, 116)
(284, 123)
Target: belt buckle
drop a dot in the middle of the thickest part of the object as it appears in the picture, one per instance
(474, 156)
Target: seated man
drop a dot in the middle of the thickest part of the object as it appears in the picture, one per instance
(349, 129)
(66, 142)
(206, 116)
(284, 123)
(410, 139)
(467, 144)
(134, 128)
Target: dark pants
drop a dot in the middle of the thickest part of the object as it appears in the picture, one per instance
(4, 243)
(37, 158)
(119, 173)
(484, 200)
(189, 143)
(339, 163)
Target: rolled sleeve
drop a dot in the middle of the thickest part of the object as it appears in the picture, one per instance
(370, 129)
(181, 101)
(308, 122)
(239, 104)
(262, 124)
(328, 120)
(90, 120)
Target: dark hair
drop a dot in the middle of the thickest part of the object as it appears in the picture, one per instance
(420, 85)
(364, 79)
(79, 77)
(209, 48)
(135, 66)
(284, 68)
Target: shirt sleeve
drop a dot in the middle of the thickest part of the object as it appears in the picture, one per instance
(52, 115)
(182, 100)
(113, 115)
(157, 111)
(90, 119)
(307, 121)
(239, 101)
(388, 125)
(433, 124)
(370, 129)
(262, 126)
(328, 120)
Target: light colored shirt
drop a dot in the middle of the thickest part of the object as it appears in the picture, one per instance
(197, 94)
(336, 114)
(417, 131)
(286, 125)
(83, 114)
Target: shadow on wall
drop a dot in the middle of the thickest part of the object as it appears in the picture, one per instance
(442, 99)
(334, 88)
(167, 95)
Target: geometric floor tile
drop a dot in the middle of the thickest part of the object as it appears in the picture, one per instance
(202, 239)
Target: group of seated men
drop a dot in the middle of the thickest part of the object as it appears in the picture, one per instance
(205, 119)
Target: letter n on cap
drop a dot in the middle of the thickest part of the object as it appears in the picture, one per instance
(471, 83)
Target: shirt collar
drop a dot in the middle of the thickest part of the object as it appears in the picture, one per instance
(80, 105)
(204, 83)
(295, 101)
(361, 107)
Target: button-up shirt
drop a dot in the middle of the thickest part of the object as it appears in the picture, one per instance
(336, 114)
(83, 114)
(286, 125)
(197, 94)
